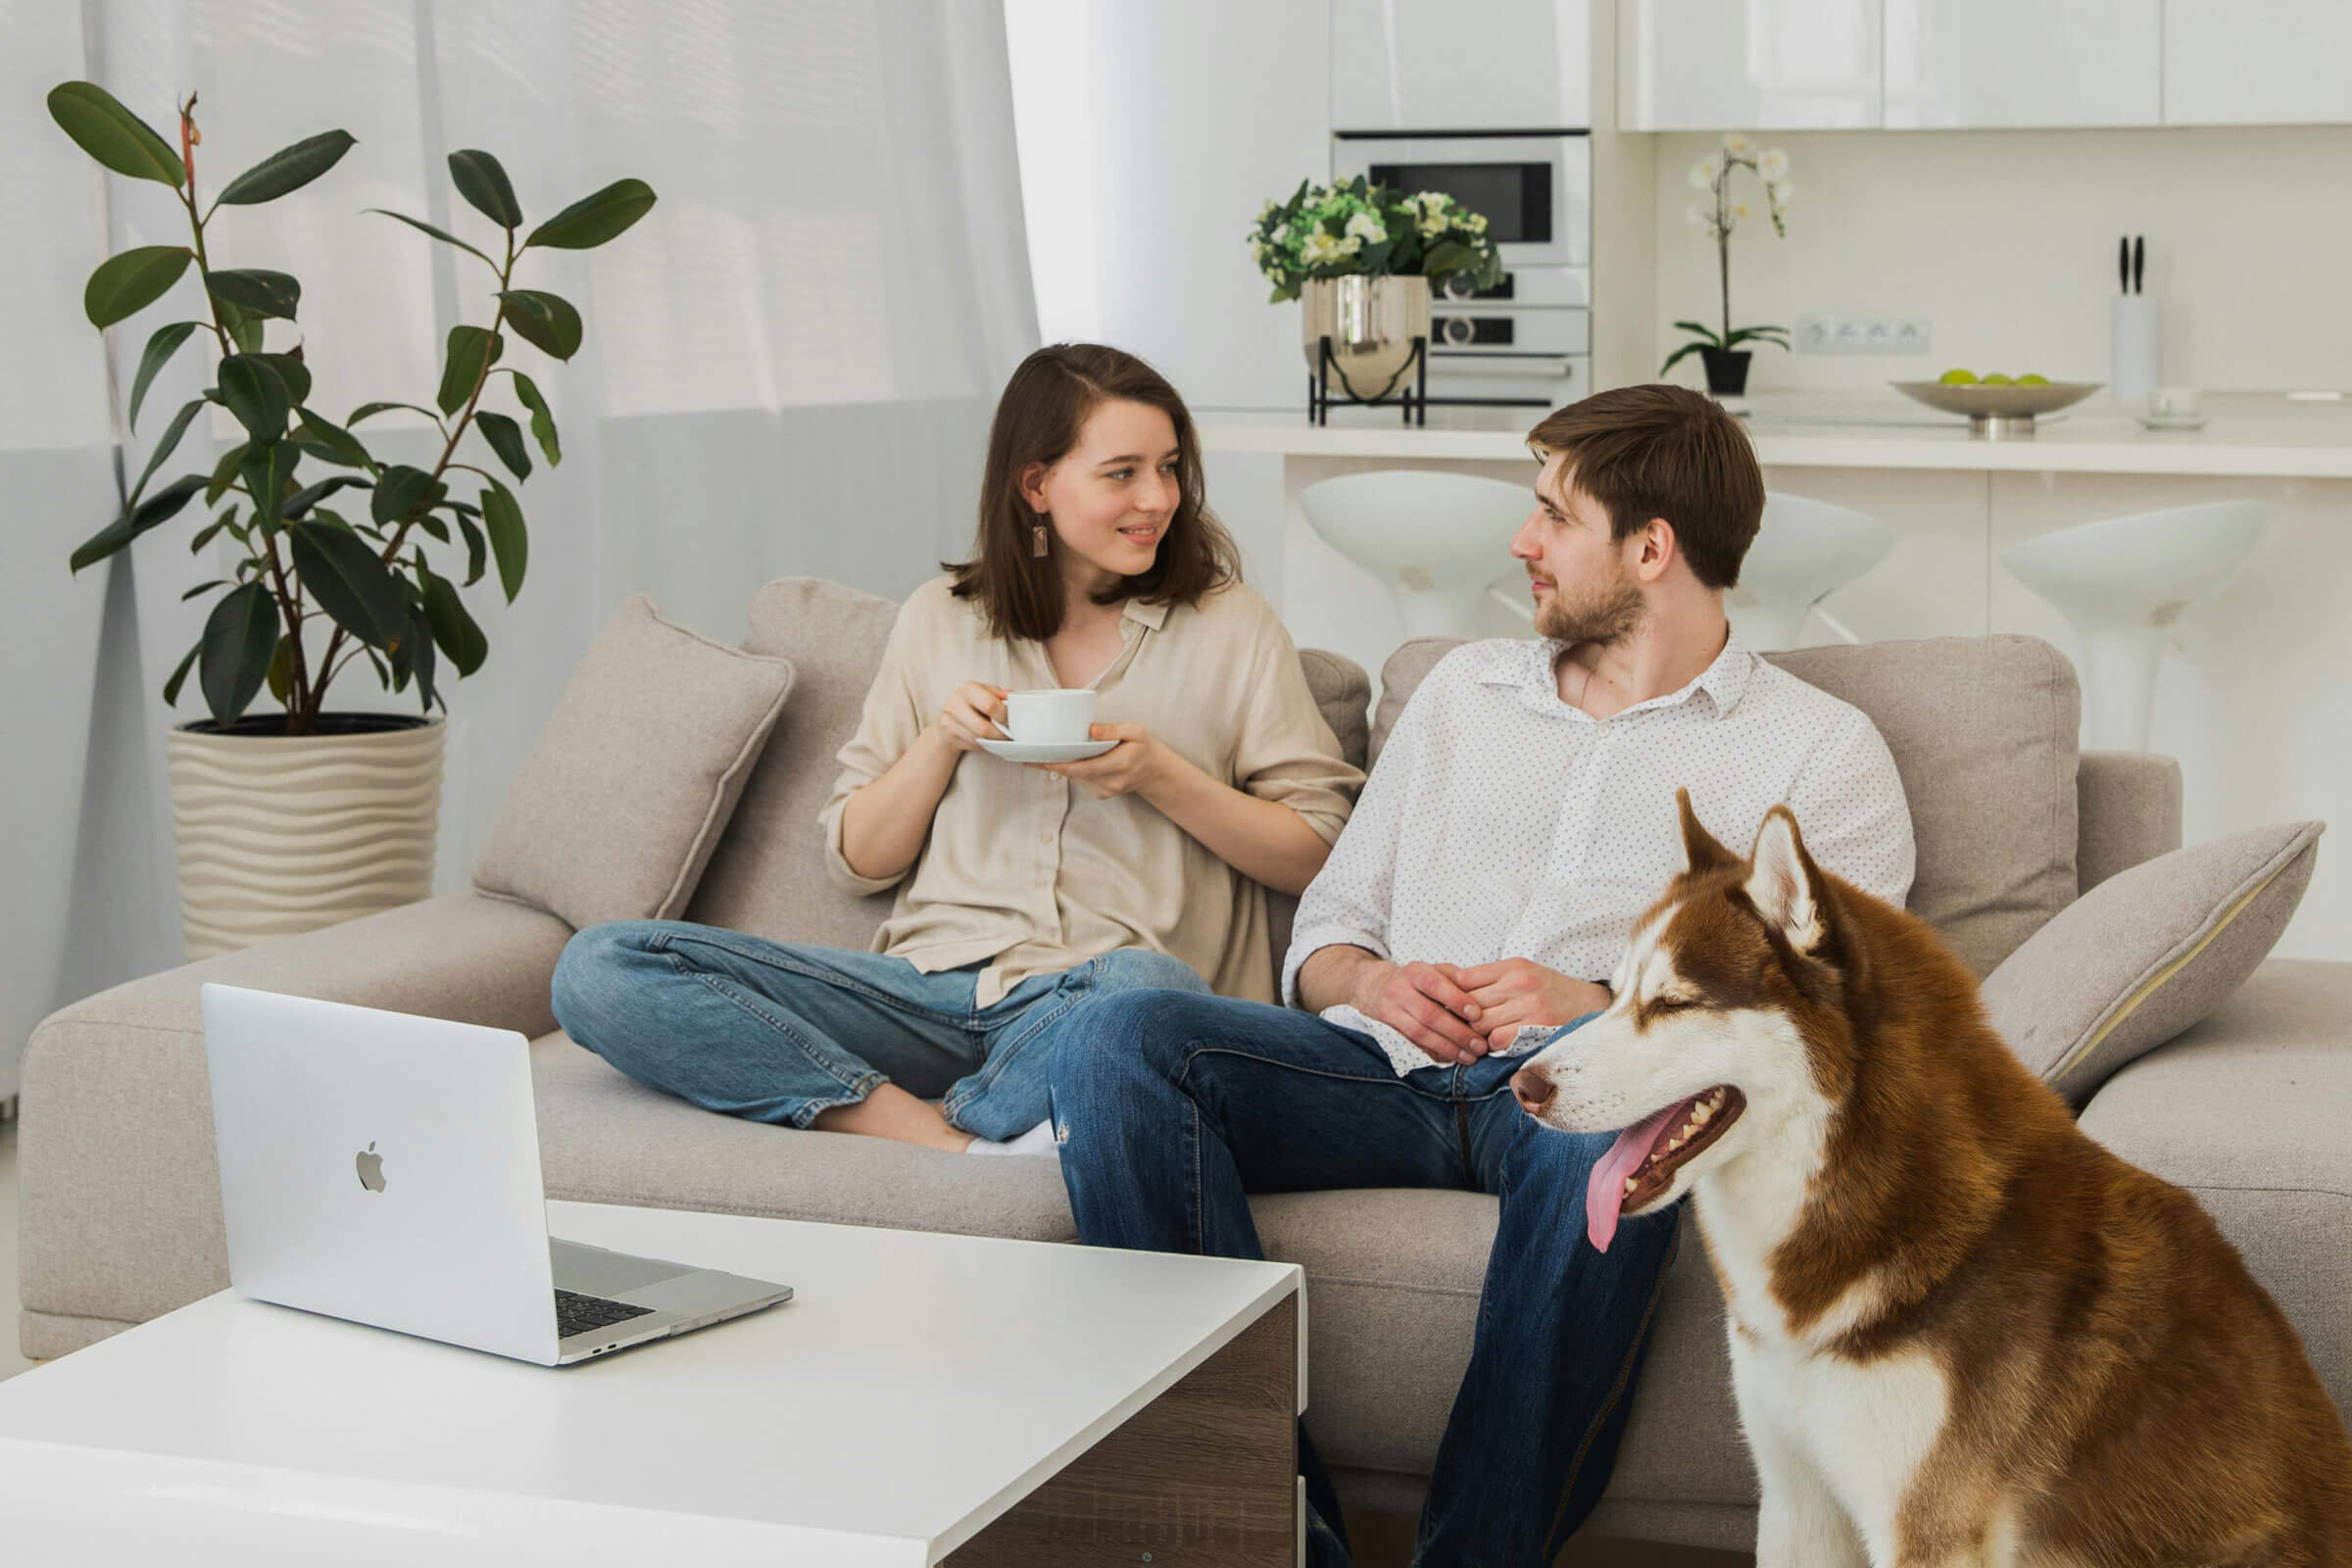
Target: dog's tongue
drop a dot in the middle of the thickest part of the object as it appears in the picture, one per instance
(1604, 1191)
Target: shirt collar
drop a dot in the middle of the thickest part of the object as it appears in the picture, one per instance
(1150, 614)
(1529, 665)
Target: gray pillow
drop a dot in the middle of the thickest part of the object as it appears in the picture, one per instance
(2147, 952)
(636, 774)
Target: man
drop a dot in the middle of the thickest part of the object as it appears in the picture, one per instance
(1520, 819)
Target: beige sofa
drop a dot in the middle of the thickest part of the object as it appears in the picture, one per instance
(122, 1219)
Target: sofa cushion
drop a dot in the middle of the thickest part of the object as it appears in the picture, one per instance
(1983, 730)
(2148, 952)
(768, 875)
(632, 778)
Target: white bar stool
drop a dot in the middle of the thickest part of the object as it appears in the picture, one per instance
(1805, 550)
(2122, 582)
(1438, 539)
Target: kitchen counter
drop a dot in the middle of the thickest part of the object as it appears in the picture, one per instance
(2250, 435)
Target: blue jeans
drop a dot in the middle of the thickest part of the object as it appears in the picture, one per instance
(1180, 1104)
(777, 1032)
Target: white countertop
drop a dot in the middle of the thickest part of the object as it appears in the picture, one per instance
(2249, 436)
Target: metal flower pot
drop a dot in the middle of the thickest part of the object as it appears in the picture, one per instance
(1371, 322)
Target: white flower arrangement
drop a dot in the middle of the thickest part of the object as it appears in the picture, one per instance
(1717, 217)
(1358, 228)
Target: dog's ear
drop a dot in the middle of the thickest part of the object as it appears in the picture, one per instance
(1701, 850)
(1785, 886)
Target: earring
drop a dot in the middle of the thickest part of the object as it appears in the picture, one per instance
(1037, 537)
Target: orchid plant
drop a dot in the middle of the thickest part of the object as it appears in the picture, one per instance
(1358, 228)
(1717, 216)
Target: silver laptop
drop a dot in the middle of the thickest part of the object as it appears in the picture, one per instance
(385, 1168)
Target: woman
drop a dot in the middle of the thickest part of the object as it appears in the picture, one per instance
(1023, 891)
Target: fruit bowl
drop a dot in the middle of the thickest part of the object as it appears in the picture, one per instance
(1999, 412)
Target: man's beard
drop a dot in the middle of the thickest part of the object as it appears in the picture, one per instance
(1607, 615)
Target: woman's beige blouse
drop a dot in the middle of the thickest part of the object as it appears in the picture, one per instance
(1027, 868)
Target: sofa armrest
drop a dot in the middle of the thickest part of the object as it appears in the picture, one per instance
(120, 1187)
(2127, 809)
(2245, 1111)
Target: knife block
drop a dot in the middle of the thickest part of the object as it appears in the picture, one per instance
(2131, 347)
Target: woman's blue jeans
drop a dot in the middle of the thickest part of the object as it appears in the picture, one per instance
(778, 1032)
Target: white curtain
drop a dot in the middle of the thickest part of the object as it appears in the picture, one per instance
(788, 363)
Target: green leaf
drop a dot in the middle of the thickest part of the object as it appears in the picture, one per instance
(267, 469)
(117, 139)
(224, 472)
(1679, 355)
(252, 389)
(257, 291)
(483, 183)
(308, 496)
(240, 638)
(204, 535)
(289, 169)
(125, 285)
(508, 541)
(331, 442)
(434, 525)
(473, 350)
(1714, 339)
(547, 321)
(281, 668)
(595, 219)
(542, 424)
(350, 583)
(476, 551)
(244, 328)
(368, 411)
(163, 447)
(401, 490)
(1447, 256)
(437, 234)
(217, 582)
(158, 508)
(506, 439)
(421, 663)
(158, 353)
(179, 676)
(291, 371)
(453, 628)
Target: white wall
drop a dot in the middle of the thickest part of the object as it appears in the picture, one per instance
(2007, 239)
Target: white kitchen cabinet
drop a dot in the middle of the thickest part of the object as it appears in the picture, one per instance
(1438, 65)
(2257, 62)
(1952, 63)
(1749, 65)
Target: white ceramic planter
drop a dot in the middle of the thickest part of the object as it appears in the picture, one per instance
(279, 835)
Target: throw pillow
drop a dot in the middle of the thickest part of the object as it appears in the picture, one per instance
(2147, 952)
(634, 776)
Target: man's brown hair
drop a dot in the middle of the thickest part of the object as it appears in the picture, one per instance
(1662, 451)
(1039, 417)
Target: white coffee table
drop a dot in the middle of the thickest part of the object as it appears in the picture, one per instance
(921, 1395)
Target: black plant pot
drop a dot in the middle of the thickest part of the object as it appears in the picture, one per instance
(1727, 370)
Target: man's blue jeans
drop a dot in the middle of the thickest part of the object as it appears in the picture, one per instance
(778, 1032)
(1175, 1105)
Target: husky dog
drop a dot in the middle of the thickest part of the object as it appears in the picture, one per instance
(1961, 1331)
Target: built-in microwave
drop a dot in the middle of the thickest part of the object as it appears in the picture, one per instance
(1536, 192)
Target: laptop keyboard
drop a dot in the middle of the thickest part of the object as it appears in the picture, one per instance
(577, 1314)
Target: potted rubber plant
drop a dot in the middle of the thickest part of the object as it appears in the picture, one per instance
(294, 815)
(1717, 216)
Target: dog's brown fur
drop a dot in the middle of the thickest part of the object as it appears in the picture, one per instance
(2117, 1376)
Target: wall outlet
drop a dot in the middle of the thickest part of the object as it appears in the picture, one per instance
(1853, 333)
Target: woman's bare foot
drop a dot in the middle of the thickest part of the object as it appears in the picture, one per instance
(891, 1112)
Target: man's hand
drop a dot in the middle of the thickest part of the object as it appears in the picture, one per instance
(1513, 994)
(1421, 1003)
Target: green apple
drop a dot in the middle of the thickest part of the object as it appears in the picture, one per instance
(2031, 379)
(1996, 378)
(1958, 377)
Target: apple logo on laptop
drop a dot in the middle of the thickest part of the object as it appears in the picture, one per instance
(372, 1169)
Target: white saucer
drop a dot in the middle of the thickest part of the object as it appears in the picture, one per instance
(1046, 751)
(2173, 421)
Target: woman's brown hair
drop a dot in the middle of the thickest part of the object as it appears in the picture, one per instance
(1045, 406)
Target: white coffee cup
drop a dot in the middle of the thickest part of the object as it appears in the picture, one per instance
(2171, 402)
(1056, 716)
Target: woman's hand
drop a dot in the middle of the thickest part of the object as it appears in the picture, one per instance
(1137, 765)
(975, 713)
